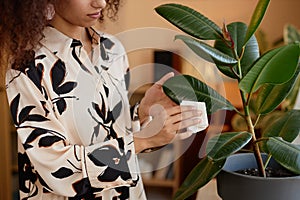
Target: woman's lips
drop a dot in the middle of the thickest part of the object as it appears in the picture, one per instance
(95, 15)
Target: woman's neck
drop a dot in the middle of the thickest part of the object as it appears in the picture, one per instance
(73, 31)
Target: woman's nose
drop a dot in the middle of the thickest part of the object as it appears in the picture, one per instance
(99, 3)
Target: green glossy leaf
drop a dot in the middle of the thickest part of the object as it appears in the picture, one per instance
(185, 87)
(290, 101)
(190, 21)
(270, 96)
(256, 18)
(285, 153)
(250, 53)
(287, 127)
(221, 146)
(207, 52)
(275, 67)
(204, 171)
(290, 34)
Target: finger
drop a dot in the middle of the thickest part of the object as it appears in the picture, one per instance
(183, 112)
(187, 123)
(164, 78)
(184, 135)
(158, 109)
(191, 114)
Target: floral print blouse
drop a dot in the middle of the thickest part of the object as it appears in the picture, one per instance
(73, 120)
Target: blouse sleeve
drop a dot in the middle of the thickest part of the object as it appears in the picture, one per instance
(46, 154)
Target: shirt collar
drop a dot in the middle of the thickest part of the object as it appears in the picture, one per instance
(56, 41)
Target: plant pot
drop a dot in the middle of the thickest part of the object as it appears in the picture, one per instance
(235, 186)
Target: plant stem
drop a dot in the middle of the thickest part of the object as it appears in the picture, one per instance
(250, 125)
(268, 160)
(254, 143)
(256, 149)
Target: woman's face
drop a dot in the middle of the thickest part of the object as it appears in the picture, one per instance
(84, 13)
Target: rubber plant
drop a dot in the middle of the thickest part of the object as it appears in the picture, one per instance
(264, 82)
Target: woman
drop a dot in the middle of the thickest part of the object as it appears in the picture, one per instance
(66, 87)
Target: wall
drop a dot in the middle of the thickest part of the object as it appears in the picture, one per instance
(140, 13)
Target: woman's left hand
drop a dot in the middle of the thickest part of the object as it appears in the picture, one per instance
(155, 96)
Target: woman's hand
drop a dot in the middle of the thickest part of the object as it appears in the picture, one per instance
(155, 96)
(165, 125)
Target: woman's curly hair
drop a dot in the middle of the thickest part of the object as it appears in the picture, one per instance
(21, 28)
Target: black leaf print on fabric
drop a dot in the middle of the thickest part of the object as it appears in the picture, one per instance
(104, 54)
(27, 146)
(127, 79)
(36, 118)
(105, 44)
(96, 130)
(99, 125)
(35, 73)
(66, 88)
(104, 67)
(106, 89)
(45, 191)
(45, 93)
(27, 176)
(45, 108)
(124, 192)
(117, 110)
(48, 141)
(97, 69)
(84, 191)
(24, 115)
(61, 105)
(121, 144)
(108, 44)
(35, 134)
(58, 74)
(100, 111)
(112, 134)
(103, 156)
(115, 113)
(107, 119)
(116, 163)
(40, 57)
(111, 174)
(63, 173)
(14, 105)
(74, 44)
(45, 141)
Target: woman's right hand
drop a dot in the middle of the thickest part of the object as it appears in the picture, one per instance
(164, 126)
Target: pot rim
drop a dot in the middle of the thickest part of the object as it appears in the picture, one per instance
(296, 177)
